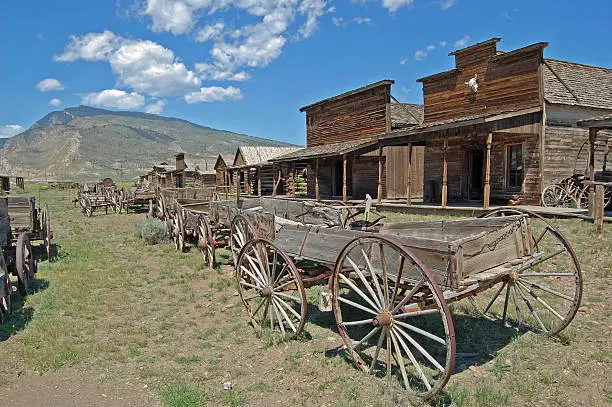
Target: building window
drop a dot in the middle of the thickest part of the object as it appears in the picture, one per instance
(514, 167)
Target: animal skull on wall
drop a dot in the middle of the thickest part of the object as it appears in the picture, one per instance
(473, 84)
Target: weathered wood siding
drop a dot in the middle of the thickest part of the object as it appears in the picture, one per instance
(365, 177)
(563, 155)
(504, 83)
(522, 130)
(395, 171)
(358, 116)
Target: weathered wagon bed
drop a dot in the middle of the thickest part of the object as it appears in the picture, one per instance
(390, 290)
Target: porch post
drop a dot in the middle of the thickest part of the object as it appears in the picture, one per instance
(317, 195)
(259, 181)
(344, 192)
(380, 169)
(592, 138)
(292, 175)
(487, 185)
(237, 176)
(408, 169)
(445, 175)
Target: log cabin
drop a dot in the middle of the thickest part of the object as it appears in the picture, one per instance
(502, 126)
(342, 159)
(167, 176)
(223, 174)
(253, 171)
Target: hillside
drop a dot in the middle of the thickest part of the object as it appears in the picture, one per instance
(89, 143)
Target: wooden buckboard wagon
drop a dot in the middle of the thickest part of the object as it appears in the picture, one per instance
(20, 223)
(390, 291)
(100, 196)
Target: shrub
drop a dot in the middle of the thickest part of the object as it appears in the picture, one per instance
(153, 231)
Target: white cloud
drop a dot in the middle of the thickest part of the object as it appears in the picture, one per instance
(338, 21)
(430, 48)
(143, 66)
(150, 68)
(213, 94)
(363, 20)
(9, 130)
(49, 84)
(114, 98)
(55, 102)
(420, 55)
(156, 107)
(394, 5)
(443, 43)
(176, 17)
(332, 9)
(313, 9)
(403, 61)
(447, 4)
(509, 15)
(90, 47)
(463, 41)
(210, 31)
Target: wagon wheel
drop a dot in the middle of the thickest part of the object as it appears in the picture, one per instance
(557, 196)
(46, 229)
(25, 263)
(206, 242)
(572, 185)
(178, 231)
(583, 198)
(543, 293)
(241, 232)
(86, 206)
(392, 316)
(161, 207)
(5, 291)
(271, 288)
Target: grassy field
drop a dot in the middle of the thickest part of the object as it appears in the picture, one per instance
(113, 308)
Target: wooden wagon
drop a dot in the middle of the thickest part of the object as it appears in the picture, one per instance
(19, 224)
(390, 291)
(100, 196)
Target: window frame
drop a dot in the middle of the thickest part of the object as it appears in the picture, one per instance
(508, 154)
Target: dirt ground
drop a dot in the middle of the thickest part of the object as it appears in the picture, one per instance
(114, 321)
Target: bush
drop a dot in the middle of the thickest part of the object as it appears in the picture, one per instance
(153, 231)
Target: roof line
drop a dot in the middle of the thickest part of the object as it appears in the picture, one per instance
(349, 93)
(562, 81)
(578, 63)
(493, 40)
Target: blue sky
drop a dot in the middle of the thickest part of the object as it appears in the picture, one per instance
(249, 65)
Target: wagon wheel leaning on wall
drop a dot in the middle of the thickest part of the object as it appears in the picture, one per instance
(271, 288)
(544, 292)
(241, 232)
(583, 198)
(392, 316)
(557, 196)
(5, 291)
(25, 264)
(206, 242)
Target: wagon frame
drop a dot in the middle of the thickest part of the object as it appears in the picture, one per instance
(436, 263)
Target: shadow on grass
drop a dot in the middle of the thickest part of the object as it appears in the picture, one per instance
(21, 314)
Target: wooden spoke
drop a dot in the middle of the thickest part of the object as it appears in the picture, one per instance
(417, 313)
(241, 232)
(361, 294)
(365, 282)
(412, 360)
(381, 299)
(362, 322)
(422, 332)
(367, 337)
(383, 334)
(358, 306)
(206, 242)
(420, 349)
(545, 288)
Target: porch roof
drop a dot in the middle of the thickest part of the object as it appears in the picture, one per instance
(486, 117)
(601, 122)
(326, 150)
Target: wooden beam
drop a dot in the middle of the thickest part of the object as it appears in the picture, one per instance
(445, 175)
(409, 175)
(344, 191)
(380, 170)
(259, 181)
(487, 185)
(592, 138)
(317, 194)
(599, 208)
(237, 176)
(292, 179)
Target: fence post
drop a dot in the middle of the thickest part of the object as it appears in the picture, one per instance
(599, 208)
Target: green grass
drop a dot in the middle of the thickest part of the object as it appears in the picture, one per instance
(111, 304)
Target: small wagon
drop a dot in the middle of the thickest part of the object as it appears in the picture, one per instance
(390, 291)
(101, 196)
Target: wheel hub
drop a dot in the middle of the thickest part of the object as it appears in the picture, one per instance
(513, 277)
(383, 319)
(266, 292)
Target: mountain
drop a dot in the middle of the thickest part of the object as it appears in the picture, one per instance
(86, 143)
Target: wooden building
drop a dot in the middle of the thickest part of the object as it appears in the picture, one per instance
(342, 156)
(502, 125)
(253, 169)
(223, 174)
(167, 176)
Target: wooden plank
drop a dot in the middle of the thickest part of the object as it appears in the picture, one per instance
(487, 185)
